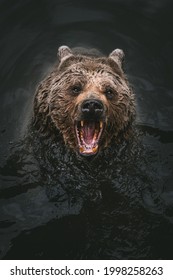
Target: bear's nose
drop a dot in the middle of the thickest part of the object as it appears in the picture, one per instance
(92, 107)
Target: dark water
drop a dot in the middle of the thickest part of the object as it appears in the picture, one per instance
(52, 204)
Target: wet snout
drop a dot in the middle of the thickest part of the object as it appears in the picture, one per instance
(92, 109)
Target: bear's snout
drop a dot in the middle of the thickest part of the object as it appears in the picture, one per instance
(92, 109)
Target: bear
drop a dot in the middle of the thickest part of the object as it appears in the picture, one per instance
(86, 99)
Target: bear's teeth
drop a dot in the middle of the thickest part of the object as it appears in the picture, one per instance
(95, 149)
(81, 149)
(81, 135)
(101, 124)
(95, 136)
(82, 123)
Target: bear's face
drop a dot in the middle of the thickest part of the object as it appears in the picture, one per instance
(89, 100)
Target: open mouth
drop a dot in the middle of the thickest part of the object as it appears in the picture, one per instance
(88, 136)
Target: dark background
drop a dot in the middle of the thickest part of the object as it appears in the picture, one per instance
(33, 226)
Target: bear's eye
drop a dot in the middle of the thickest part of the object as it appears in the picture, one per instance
(109, 92)
(76, 89)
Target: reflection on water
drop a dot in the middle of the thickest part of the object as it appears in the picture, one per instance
(54, 204)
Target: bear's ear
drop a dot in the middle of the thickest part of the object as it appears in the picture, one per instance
(64, 52)
(118, 56)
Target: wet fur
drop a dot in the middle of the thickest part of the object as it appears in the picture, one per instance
(56, 107)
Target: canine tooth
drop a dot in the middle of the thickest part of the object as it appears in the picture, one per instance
(94, 149)
(82, 122)
(101, 124)
(81, 149)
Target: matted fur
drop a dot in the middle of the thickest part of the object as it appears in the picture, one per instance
(57, 107)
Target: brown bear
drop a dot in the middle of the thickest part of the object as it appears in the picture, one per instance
(87, 98)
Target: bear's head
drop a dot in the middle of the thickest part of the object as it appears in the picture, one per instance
(87, 99)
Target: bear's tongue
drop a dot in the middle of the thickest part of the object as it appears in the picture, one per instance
(88, 130)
